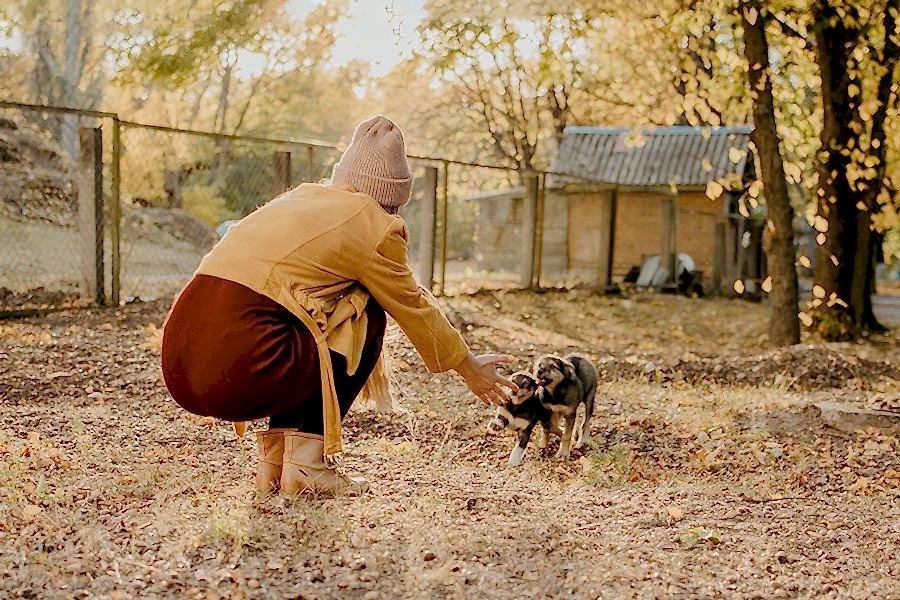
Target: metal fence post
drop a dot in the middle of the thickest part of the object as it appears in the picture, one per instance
(529, 227)
(90, 212)
(428, 223)
(281, 172)
(115, 230)
(445, 201)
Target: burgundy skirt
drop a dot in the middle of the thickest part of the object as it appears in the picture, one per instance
(231, 353)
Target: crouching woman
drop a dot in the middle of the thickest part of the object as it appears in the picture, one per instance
(285, 317)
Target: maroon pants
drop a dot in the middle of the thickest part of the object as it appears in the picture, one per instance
(233, 354)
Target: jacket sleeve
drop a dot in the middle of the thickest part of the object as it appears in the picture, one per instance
(389, 279)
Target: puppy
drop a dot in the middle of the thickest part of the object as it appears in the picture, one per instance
(522, 412)
(568, 382)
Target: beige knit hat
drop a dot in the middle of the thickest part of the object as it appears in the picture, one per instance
(375, 164)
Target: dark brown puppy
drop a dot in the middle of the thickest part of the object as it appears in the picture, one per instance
(568, 381)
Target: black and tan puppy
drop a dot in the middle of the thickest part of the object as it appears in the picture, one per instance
(568, 382)
(524, 410)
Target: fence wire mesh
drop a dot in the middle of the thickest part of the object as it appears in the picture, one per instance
(42, 255)
(472, 227)
(181, 191)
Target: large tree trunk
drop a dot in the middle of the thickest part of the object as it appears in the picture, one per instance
(784, 326)
(836, 251)
(861, 300)
(844, 263)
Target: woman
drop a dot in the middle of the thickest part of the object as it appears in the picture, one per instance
(285, 317)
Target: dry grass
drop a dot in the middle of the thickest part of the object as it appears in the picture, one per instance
(108, 490)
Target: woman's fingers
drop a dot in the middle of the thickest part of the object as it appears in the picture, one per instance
(507, 384)
(492, 359)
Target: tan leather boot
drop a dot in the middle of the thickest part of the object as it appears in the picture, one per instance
(271, 456)
(305, 471)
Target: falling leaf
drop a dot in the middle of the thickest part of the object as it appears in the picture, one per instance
(767, 284)
(714, 190)
(736, 155)
(751, 15)
(739, 286)
(755, 188)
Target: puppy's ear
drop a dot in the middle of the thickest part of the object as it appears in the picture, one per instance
(568, 368)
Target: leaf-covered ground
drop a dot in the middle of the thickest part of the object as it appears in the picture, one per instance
(709, 475)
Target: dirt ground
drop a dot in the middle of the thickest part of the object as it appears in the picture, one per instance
(711, 474)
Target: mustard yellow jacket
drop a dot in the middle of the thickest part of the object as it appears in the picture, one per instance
(320, 252)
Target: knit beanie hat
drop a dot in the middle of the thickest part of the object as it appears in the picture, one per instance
(375, 164)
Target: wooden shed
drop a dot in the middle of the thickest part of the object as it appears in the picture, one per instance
(632, 195)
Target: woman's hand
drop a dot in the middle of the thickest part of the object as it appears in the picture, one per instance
(481, 376)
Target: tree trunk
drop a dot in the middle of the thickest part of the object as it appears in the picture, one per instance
(836, 207)
(71, 77)
(221, 114)
(871, 190)
(784, 326)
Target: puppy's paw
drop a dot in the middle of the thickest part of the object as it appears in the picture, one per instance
(563, 455)
(515, 457)
(586, 440)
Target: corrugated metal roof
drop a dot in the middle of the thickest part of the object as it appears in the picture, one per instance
(665, 156)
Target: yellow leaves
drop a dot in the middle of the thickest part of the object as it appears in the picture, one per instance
(31, 511)
(706, 164)
(739, 286)
(818, 291)
(804, 262)
(675, 513)
(767, 285)
(820, 239)
(805, 319)
(153, 339)
(793, 172)
(820, 224)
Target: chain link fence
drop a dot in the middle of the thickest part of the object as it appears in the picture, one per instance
(162, 197)
(181, 190)
(51, 244)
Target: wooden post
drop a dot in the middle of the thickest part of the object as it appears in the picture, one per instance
(666, 252)
(718, 273)
(613, 208)
(604, 261)
(90, 213)
(311, 164)
(445, 209)
(740, 258)
(539, 230)
(281, 172)
(428, 228)
(529, 227)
